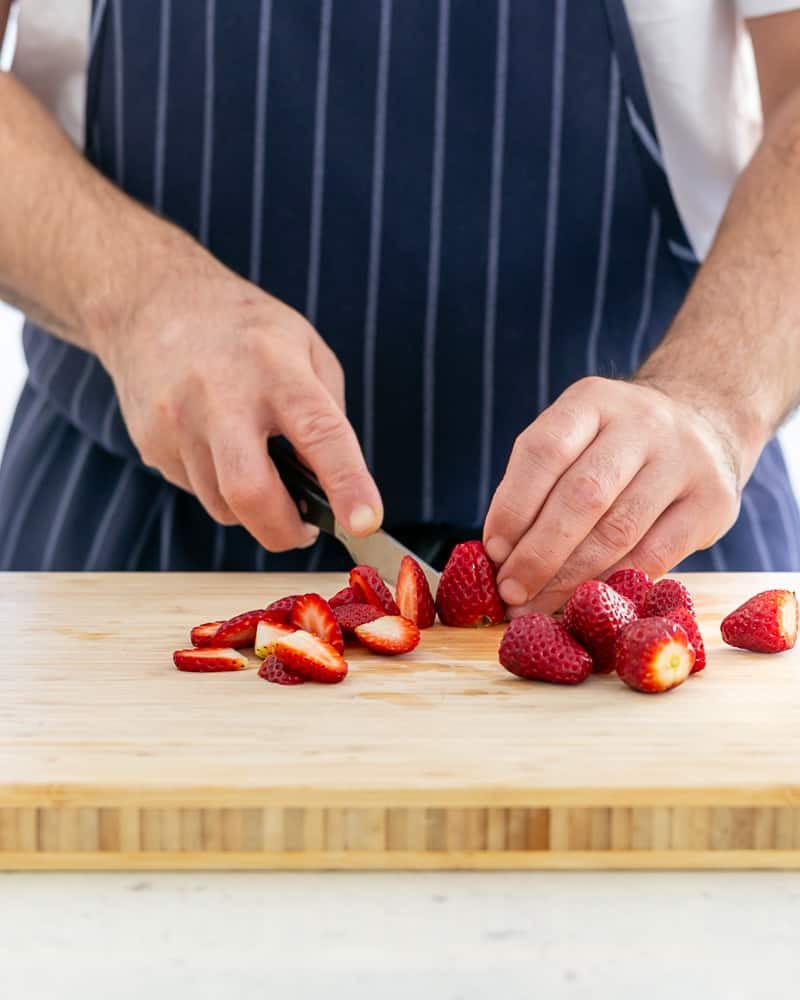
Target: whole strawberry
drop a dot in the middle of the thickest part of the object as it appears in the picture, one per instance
(634, 584)
(540, 648)
(688, 622)
(594, 615)
(767, 623)
(666, 595)
(654, 655)
(467, 593)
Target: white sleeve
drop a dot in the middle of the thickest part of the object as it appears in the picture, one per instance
(760, 8)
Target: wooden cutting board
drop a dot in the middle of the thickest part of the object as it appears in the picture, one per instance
(110, 758)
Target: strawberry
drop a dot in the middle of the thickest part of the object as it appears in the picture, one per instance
(594, 615)
(388, 635)
(350, 616)
(274, 671)
(369, 588)
(342, 598)
(540, 648)
(634, 584)
(203, 635)
(209, 660)
(239, 631)
(666, 595)
(688, 622)
(467, 593)
(282, 608)
(767, 623)
(268, 631)
(653, 655)
(312, 658)
(313, 614)
(414, 596)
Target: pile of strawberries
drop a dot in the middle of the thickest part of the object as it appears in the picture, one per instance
(645, 631)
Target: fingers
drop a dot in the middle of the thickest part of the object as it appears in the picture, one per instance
(582, 496)
(540, 456)
(668, 541)
(608, 544)
(329, 370)
(202, 476)
(251, 487)
(310, 418)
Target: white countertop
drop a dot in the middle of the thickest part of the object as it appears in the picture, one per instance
(448, 936)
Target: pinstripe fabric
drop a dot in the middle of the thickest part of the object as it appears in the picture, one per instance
(467, 198)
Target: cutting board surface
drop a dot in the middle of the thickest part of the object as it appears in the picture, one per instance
(96, 725)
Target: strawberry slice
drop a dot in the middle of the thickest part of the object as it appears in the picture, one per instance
(350, 616)
(268, 631)
(273, 670)
(209, 660)
(282, 608)
(369, 588)
(313, 614)
(414, 598)
(767, 623)
(342, 598)
(203, 635)
(239, 631)
(312, 658)
(389, 635)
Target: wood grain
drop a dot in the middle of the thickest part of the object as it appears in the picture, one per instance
(111, 758)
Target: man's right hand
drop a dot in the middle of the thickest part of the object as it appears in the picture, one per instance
(206, 368)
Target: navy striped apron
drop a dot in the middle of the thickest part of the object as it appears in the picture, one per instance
(465, 197)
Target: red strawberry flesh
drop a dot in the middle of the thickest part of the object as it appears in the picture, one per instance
(666, 595)
(389, 635)
(350, 616)
(634, 584)
(342, 598)
(203, 635)
(313, 614)
(312, 658)
(282, 608)
(239, 631)
(467, 595)
(594, 615)
(369, 588)
(209, 660)
(273, 670)
(654, 655)
(766, 623)
(414, 598)
(539, 648)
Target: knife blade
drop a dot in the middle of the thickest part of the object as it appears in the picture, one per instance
(379, 549)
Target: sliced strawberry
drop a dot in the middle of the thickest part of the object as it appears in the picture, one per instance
(342, 598)
(282, 608)
(203, 635)
(467, 595)
(688, 622)
(305, 654)
(273, 670)
(350, 616)
(313, 614)
(268, 631)
(654, 655)
(369, 588)
(414, 598)
(209, 660)
(240, 631)
(389, 635)
(767, 623)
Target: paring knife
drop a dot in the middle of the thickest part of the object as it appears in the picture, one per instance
(379, 549)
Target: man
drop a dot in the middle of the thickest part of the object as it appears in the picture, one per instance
(465, 207)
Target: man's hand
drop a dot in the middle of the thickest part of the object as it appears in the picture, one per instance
(206, 369)
(613, 473)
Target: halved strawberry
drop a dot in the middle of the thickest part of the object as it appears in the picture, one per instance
(369, 588)
(342, 598)
(273, 670)
(203, 635)
(282, 608)
(767, 623)
(414, 598)
(268, 631)
(313, 614)
(389, 635)
(209, 660)
(239, 631)
(654, 655)
(305, 654)
(350, 616)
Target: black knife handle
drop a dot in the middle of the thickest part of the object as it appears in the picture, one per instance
(302, 485)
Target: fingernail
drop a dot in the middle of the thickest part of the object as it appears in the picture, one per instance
(512, 591)
(497, 549)
(363, 519)
(312, 534)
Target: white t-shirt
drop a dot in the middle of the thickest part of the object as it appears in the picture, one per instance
(695, 54)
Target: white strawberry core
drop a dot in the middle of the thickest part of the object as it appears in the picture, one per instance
(267, 634)
(789, 618)
(674, 663)
(307, 643)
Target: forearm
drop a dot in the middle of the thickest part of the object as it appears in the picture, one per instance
(735, 342)
(75, 252)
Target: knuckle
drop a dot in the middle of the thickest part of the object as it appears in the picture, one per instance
(619, 529)
(662, 553)
(241, 495)
(587, 494)
(318, 426)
